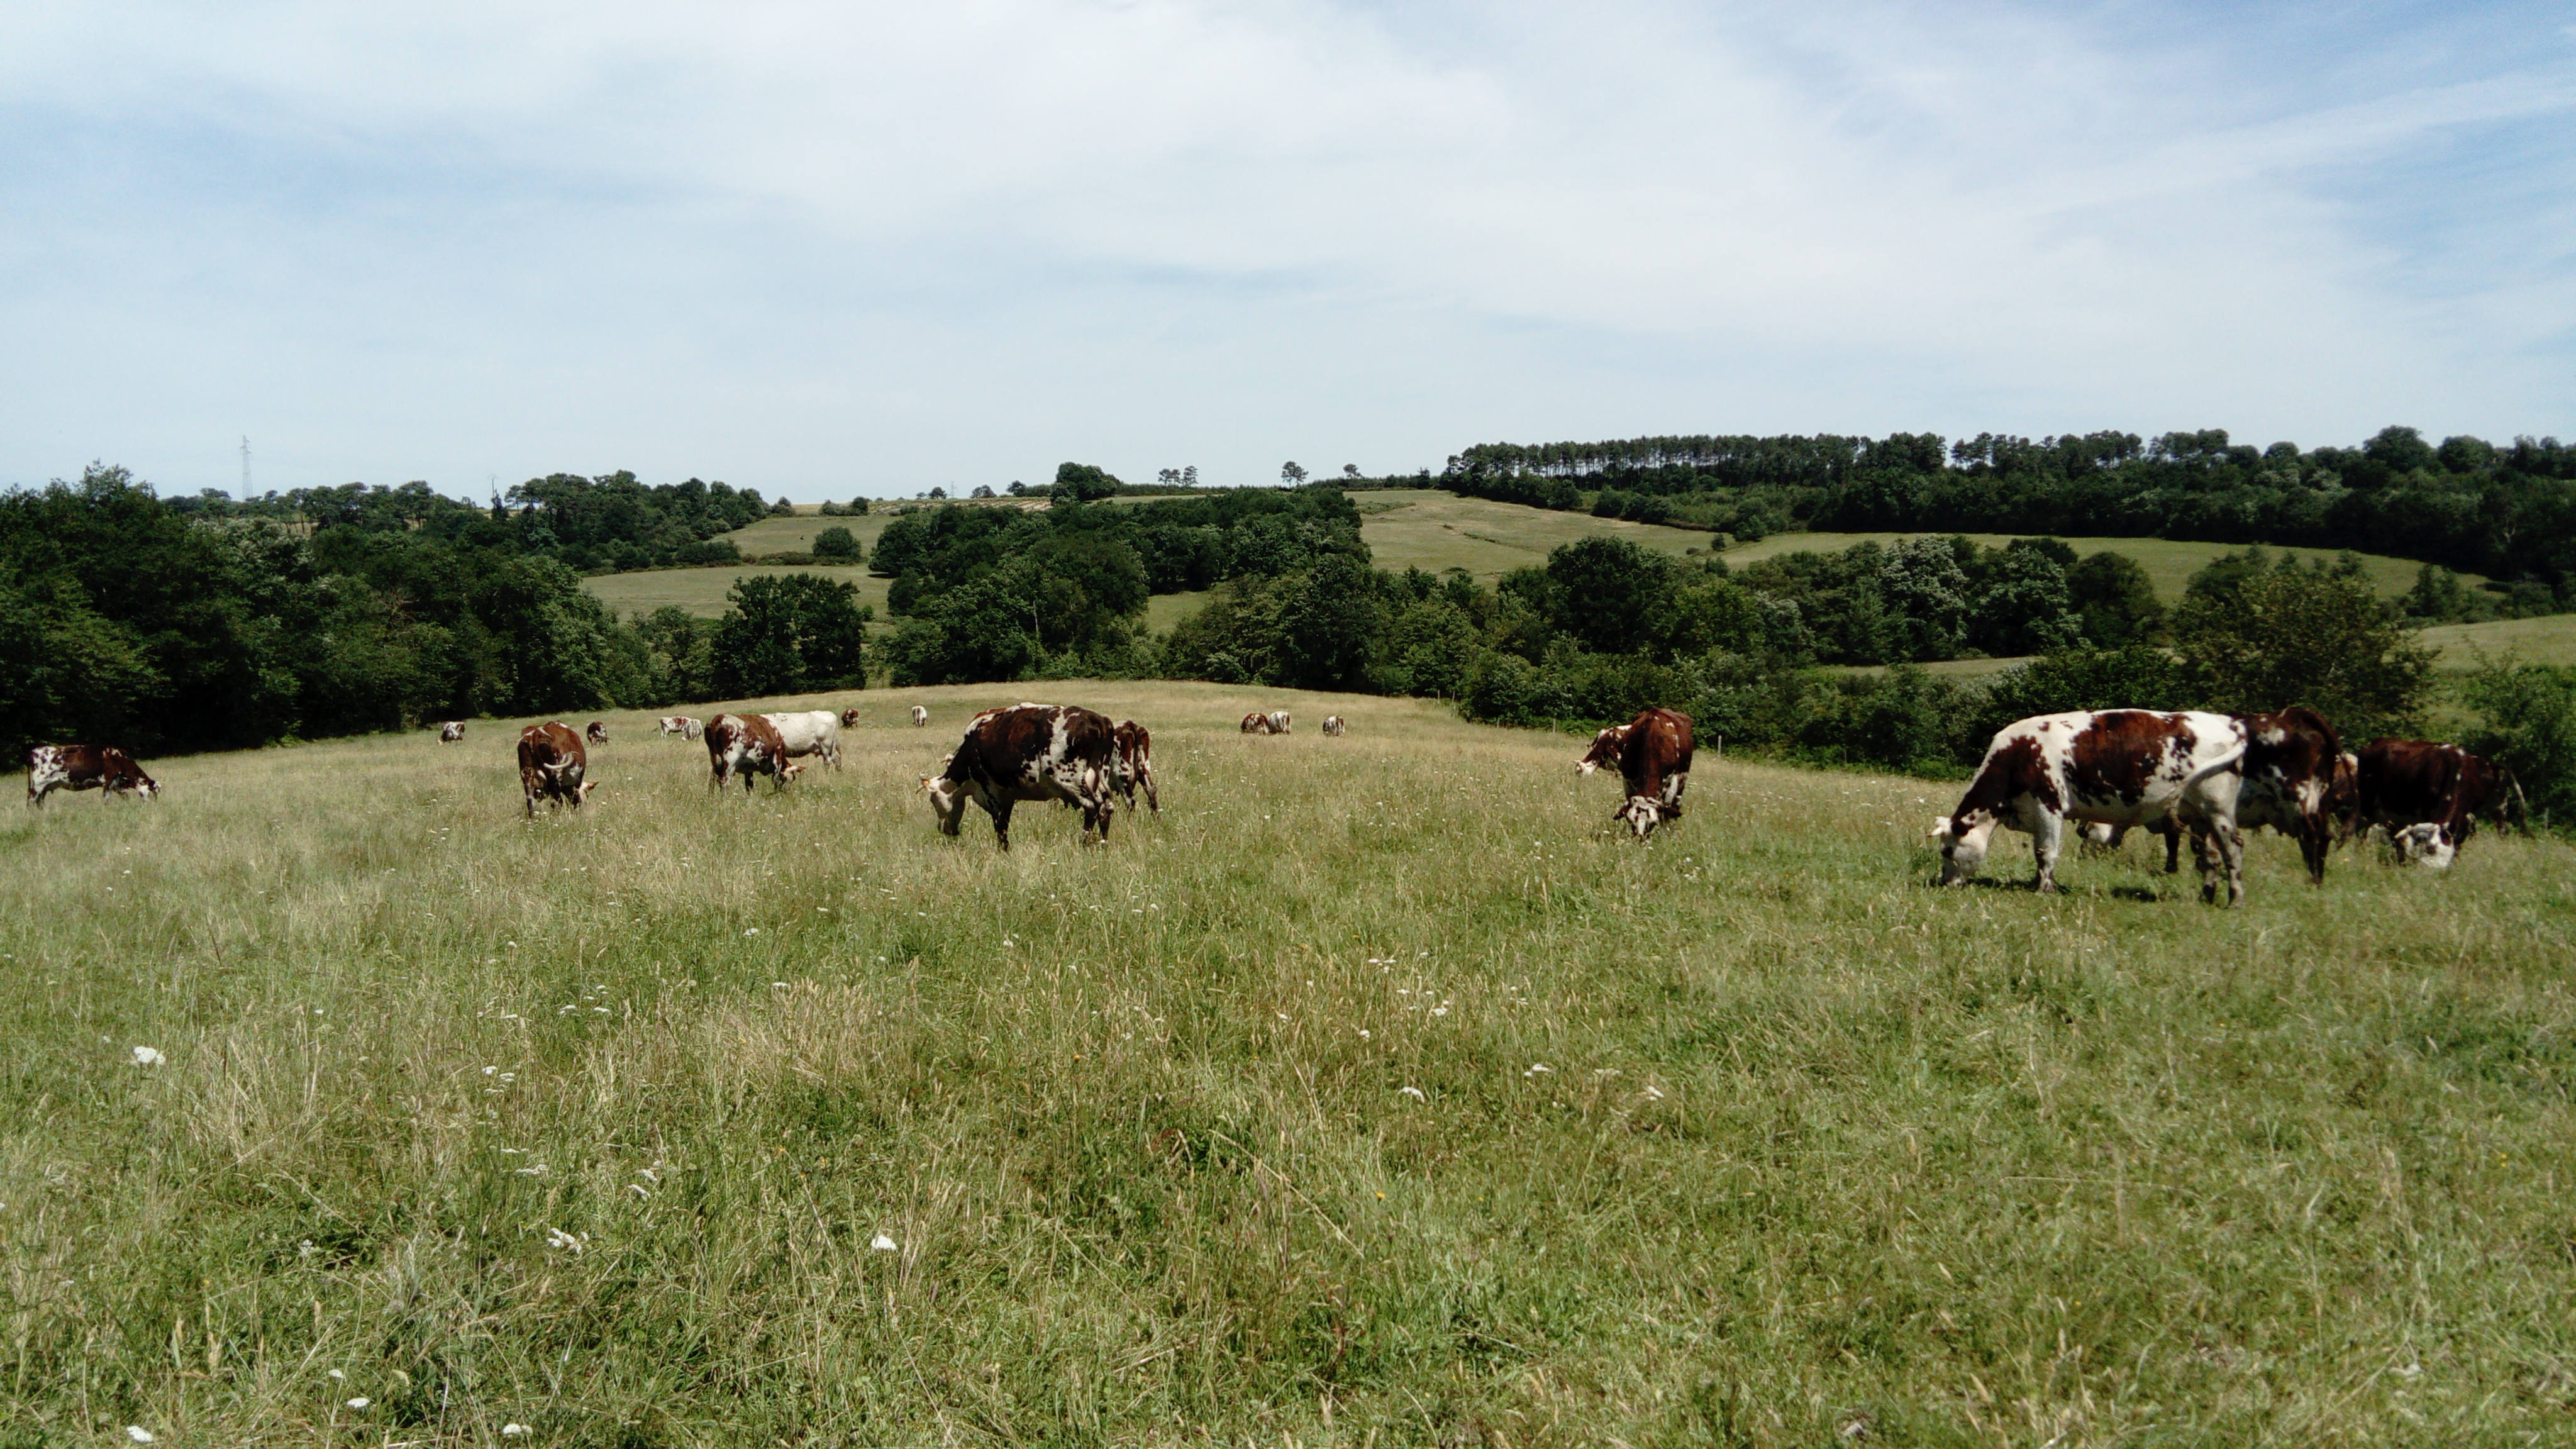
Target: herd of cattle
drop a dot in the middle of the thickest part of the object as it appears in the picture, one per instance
(2209, 776)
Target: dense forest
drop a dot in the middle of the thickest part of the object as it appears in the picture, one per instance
(2508, 512)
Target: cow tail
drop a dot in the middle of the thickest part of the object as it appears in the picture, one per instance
(2230, 761)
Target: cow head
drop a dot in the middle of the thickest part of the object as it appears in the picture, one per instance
(849, 719)
(1643, 813)
(946, 801)
(1962, 846)
(144, 785)
(2430, 846)
(1604, 751)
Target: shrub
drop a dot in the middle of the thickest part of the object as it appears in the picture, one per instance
(838, 544)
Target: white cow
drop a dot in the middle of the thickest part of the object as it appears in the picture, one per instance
(920, 716)
(2126, 767)
(810, 732)
(1334, 724)
(1279, 721)
(683, 726)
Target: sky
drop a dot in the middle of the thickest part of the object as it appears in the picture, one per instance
(838, 249)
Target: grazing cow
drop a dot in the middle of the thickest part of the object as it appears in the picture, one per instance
(746, 745)
(1256, 723)
(2119, 767)
(850, 718)
(2430, 796)
(1030, 752)
(1653, 753)
(2289, 772)
(920, 716)
(451, 732)
(103, 768)
(1334, 724)
(1136, 764)
(683, 726)
(814, 732)
(551, 765)
(1279, 721)
(596, 732)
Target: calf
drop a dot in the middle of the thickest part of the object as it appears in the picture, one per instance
(451, 732)
(551, 765)
(746, 745)
(1653, 752)
(2430, 796)
(1334, 725)
(2118, 767)
(103, 768)
(814, 732)
(1256, 723)
(920, 716)
(596, 732)
(683, 726)
(1029, 752)
(1136, 763)
(1279, 721)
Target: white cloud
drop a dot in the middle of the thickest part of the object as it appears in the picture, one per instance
(822, 248)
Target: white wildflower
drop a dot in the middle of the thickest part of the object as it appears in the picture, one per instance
(335, 1373)
(569, 1242)
(881, 1243)
(1537, 1068)
(1414, 1092)
(358, 1403)
(1654, 1094)
(754, 931)
(513, 1431)
(145, 1056)
(138, 1433)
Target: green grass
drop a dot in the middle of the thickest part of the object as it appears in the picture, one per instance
(1436, 531)
(2550, 639)
(702, 591)
(1816, 1145)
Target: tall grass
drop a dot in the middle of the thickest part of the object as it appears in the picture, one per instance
(1373, 1093)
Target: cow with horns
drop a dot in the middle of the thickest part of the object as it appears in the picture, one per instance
(103, 768)
(551, 766)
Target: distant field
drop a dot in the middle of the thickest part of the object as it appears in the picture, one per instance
(2548, 640)
(1435, 531)
(1372, 1094)
(2169, 564)
(702, 591)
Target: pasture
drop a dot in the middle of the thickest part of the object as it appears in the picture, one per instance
(1373, 1094)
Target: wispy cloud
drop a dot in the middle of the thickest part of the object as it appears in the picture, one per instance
(825, 249)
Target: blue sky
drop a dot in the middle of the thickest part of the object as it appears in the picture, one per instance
(834, 249)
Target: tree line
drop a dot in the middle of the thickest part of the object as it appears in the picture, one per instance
(2507, 511)
(167, 625)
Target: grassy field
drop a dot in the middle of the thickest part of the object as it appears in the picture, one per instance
(1435, 530)
(1369, 1095)
(2550, 639)
(702, 591)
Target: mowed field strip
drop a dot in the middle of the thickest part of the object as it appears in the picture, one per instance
(1375, 1093)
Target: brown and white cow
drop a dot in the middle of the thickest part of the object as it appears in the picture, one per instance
(920, 716)
(1256, 723)
(746, 745)
(551, 765)
(1136, 763)
(1279, 722)
(2430, 796)
(1653, 753)
(1030, 752)
(596, 732)
(2289, 772)
(850, 718)
(683, 726)
(103, 768)
(451, 732)
(1334, 724)
(2126, 767)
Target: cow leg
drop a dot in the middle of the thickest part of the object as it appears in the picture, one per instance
(1000, 810)
(2172, 832)
(2315, 839)
(2047, 837)
(1147, 775)
(2220, 852)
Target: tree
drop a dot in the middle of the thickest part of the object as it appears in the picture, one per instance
(1082, 483)
(1291, 474)
(2026, 606)
(2527, 722)
(982, 490)
(1926, 594)
(837, 543)
(2290, 635)
(1607, 593)
(789, 633)
(2114, 599)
